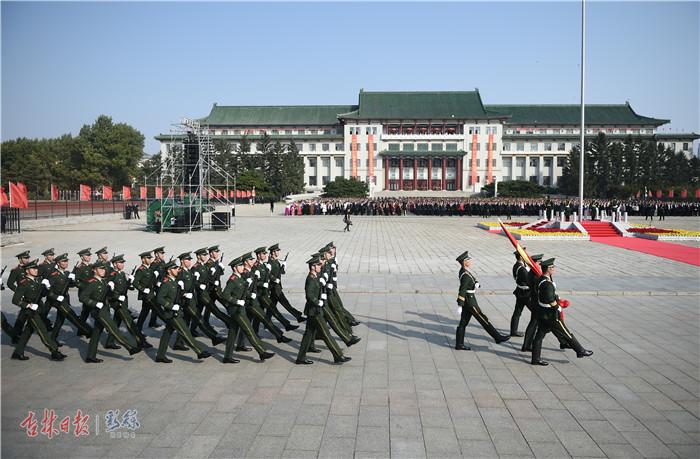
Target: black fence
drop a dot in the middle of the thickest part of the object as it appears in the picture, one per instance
(56, 209)
(9, 220)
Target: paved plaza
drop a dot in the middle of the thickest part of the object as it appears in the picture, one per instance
(406, 392)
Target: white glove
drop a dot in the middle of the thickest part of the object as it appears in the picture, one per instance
(111, 285)
(188, 296)
(477, 285)
(196, 274)
(324, 296)
(322, 281)
(334, 266)
(157, 284)
(71, 276)
(99, 305)
(249, 280)
(216, 283)
(265, 284)
(257, 274)
(156, 273)
(176, 307)
(202, 286)
(329, 286)
(320, 303)
(121, 298)
(240, 302)
(268, 265)
(181, 284)
(46, 283)
(277, 281)
(33, 306)
(213, 270)
(335, 278)
(60, 298)
(459, 310)
(221, 265)
(325, 275)
(130, 277)
(147, 290)
(253, 295)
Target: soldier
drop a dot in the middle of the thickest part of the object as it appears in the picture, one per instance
(168, 300)
(118, 297)
(333, 312)
(216, 270)
(276, 293)
(468, 306)
(233, 297)
(333, 263)
(60, 281)
(521, 292)
(549, 317)
(532, 305)
(48, 264)
(315, 323)
(159, 273)
(28, 297)
(94, 299)
(83, 272)
(16, 274)
(144, 283)
(262, 270)
(205, 288)
(103, 256)
(186, 281)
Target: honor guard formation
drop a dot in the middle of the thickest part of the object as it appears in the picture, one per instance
(184, 293)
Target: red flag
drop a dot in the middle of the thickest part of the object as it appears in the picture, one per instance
(106, 192)
(126, 193)
(218, 194)
(684, 193)
(253, 191)
(18, 196)
(159, 192)
(670, 193)
(248, 194)
(638, 193)
(697, 193)
(171, 193)
(523, 254)
(238, 193)
(659, 193)
(230, 193)
(210, 193)
(85, 193)
(143, 192)
(182, 193)
(54, 192)
(4, 200)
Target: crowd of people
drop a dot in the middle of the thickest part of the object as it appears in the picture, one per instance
(487, 207)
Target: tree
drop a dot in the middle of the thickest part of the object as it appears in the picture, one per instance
(344, 188)
(293, 167)
(515, 189)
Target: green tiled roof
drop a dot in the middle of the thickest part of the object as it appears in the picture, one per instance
(276, 115)
(422, 105)
(571, 114)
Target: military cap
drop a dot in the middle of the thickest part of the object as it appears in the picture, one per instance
(247, 256)
(100, 264)
(275, 246)
(102, 250)
(261, 250)
(48, 252)
(214, 248)
(516, 253)
(537, 256)
(171, 265)
(235, 262)
(159, 249)
(61, 257)
(464, 256)
(547, 263)
(24, 254)
(85, 252)
(185, 256)
(118, 259)
(202, 251)
(32, 264)
(330, 245)
(324, 250)
(313, 261)
(147, 254)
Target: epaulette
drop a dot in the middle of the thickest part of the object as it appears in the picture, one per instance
(141, 267)
(167, 279)
(92, 279)
(23, 280)
(55, 273)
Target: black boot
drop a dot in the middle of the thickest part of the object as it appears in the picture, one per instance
(459, 340)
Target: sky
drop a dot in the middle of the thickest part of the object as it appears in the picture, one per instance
(150, 64)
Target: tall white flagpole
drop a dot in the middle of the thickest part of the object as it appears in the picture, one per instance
(583, 106)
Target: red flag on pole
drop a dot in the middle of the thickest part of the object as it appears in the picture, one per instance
(219, 194)
(54, 192)
(659, 193)
(171, 193)
(126, 193)
(182, 193)
(106, 192)
(638, 194)
(18, 196)
(253, 191)
(143, 192)
(697, 193)
(523, 254)
(684, 193)
(670, 193)
(230, 193)
(85, 193)
(248, 194)
(159, 192)
(4, 200)
(211, 193)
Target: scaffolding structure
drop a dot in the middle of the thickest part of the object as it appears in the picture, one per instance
(193, 188)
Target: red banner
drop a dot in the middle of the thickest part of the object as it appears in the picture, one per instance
(143, 192)
(697, 193)
(659, 193)
(106, 192)
(4, 200)
(182, 193)
(159, 192)
(85, 193)
(18, 196)
(54, 192)
(219, 195)
(253, 192)
(523, 254)
(248, 194)
(670, 193)
(126, 193)
(684, 193)
(210, 193)
(171, 193)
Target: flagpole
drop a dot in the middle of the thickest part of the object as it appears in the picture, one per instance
(583, 106)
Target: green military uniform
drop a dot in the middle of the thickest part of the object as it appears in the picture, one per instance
(47, 265)
(159, 273)
(168, 299)
(118, 299)
(316, 324)
(144, 283)
(16, 274)
(215, 273)
(277, 269)
(233, 296)
(521, 292)
(334, 293)
(207, 288)
(94, 299)
(532, 306)
(466, 299)
(83, 272)
(262, 271)
(59, 298)
(27, 297)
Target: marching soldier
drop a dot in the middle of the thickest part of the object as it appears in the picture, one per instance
(262, 270)
(83, 272)
(60, 281)
(233, 296)
(168, 299)
(277, 269)
(48, 264)
(216, 270)
(28, 296)
(94, 299)
(333, 312)
(532, 305)
(316, 323)
(205, 288)
(159, 272)
(549, 318)
(521, 292)
(120, 284)
(335, 293)
(103, 256)
(144, 283)
(16, 274)
(186, 282)
(468, 306)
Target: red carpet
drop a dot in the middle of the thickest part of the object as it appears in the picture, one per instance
(677, 252)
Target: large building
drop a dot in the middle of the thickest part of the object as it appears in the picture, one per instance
(439, 141)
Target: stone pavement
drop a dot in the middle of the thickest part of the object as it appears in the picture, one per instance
(406, 393)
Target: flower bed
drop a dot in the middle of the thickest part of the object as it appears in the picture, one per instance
(552, 234)
(494, 226)
(663, 234)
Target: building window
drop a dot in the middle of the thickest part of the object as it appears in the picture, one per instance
(494, 147)
(520, 162)
(312, 147)
(520, 146)
(327, 132)
(312, 162)
(561, 161)
(506, 147)
(685, 146)
(451, 147)
(534, 162)
(325, 147)
(338, 147)
(325, 180)
(394, 147)
(478, 162)
(436, 147)
(493, 162)
(548, 162)
(533, 147)
(533, 178)
(547, 146)
(374, 130)
(326, 162)
(288, 132)
(312, 180)
(546, 181)
(561, 146)
(672, 146)
(274, 132)
(300, 147)
(422, 147)
(339, 162)
(408, 147)
(474, 129)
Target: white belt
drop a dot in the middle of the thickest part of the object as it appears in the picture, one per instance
(544, 305)
(471, 291)
(524, 287)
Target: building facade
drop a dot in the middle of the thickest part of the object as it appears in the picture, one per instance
(431, 141)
